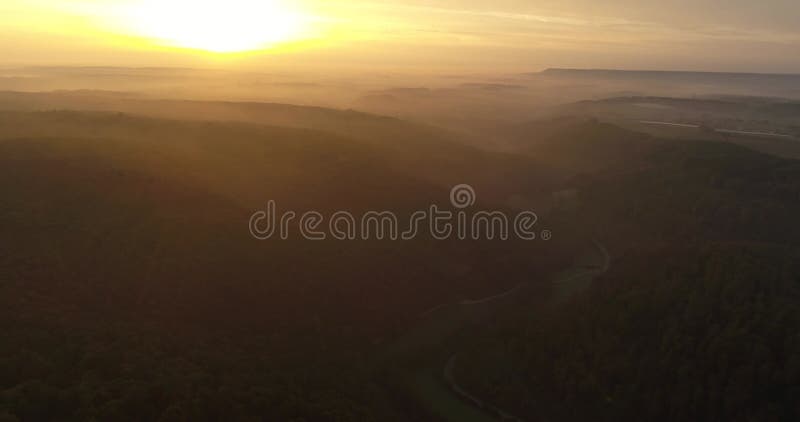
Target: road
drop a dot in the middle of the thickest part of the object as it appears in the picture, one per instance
(449, 400)
(725, 131)
(449, 369)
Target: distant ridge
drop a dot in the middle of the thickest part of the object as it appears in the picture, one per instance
(658, 73)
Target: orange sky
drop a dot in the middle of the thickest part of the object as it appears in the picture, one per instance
(732, 35)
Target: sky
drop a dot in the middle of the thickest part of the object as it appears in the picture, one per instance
(467, 35)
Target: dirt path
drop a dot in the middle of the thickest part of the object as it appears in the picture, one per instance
(444, 396)
(449, 369)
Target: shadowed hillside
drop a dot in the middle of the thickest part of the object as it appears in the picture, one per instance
(692, 322)
(131, 234)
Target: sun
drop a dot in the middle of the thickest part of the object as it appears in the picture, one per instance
(228, 26)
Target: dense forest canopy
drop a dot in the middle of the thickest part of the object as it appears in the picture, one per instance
(131, 288)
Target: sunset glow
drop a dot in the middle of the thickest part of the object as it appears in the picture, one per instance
(216, 26)
(508, 35)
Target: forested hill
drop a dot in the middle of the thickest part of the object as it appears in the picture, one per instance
(132, 289)
(697, 318)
